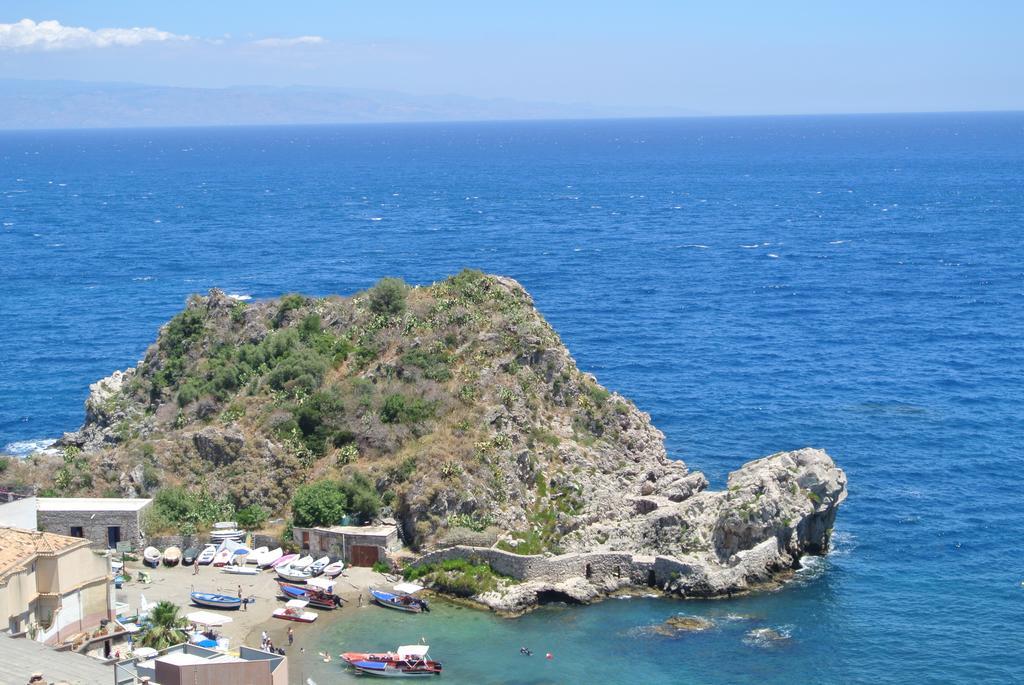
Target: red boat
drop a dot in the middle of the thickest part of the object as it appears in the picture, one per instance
(408, 661)
(316, 598)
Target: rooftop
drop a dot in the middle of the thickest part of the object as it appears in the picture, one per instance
(19, 546)
(358, 530)
(22, 657)
(91, 504)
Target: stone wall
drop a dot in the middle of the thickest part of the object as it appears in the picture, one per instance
(183, 542)
(633, 569)
(94, 525)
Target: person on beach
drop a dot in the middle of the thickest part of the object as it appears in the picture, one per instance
(291, 636)
(244, 607)
(195, 567)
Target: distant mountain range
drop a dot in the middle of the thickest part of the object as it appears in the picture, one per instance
(28, 104)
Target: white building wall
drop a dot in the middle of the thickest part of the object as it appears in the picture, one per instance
(69, 613)
(21, 513)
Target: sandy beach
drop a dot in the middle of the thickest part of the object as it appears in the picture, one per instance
(176, 583)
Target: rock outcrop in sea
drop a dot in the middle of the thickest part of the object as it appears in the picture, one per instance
(471, 419)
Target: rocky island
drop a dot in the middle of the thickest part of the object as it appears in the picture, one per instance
(457, 410)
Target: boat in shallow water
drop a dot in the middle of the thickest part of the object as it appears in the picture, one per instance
(408, 661)
(215, 600)
(401, 599)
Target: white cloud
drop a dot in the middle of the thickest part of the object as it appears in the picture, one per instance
(52, 35)
(289, 42)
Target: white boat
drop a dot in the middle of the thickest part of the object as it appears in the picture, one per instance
(295, 610)
(172, 555)
(335, 569)
(268, 558)
(240, 570)
(292, 574)
(226, 530)
(255, 556)
(151, 556)
(302, 562)
(207, 555)
(318, 566)
(222, 557)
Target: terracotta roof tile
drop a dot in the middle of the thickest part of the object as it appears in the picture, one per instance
(19, 547)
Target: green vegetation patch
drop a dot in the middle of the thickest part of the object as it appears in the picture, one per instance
(458, 577)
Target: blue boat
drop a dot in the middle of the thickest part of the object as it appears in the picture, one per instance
(316, 598)
(215, 601)
(400, 601)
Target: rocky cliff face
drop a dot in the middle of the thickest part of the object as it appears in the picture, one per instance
(462, 406)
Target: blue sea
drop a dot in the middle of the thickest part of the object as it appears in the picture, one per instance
(756, 284)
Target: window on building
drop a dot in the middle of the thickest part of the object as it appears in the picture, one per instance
(76, 532)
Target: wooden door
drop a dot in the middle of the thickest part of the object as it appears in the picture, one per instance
(363, 555)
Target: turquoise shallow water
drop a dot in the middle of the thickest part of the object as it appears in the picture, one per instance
(613, 641)
(850, 283)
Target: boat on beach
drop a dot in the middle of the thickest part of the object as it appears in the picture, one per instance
(335, 569)
(172, 555)
(226, 530)
(222, 556)
(318, 566)
(295, 610)
(292, 574)
(215, 600)
(189, 556)
(206, 556)
(151, 557)
(401, 599)
(255, 556)
(408, 661)
(283, 560)
(240, 570)
(302, 563)
(321, 599)
(267, 558)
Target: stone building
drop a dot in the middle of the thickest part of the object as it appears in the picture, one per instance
(104, 521)
(355, 545)
(191, 664)
(51, 586)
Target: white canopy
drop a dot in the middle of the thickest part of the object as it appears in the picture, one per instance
(408, 588)
(296, 604)
(413, 650)
(208, 618)
(325, 584)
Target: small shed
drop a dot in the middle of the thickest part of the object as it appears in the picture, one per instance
(355, 545)
(105, 521)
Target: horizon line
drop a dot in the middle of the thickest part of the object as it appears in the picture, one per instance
(526, 120)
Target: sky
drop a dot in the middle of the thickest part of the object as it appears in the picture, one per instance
(722, 58)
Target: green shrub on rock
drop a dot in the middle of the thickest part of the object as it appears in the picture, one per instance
(388, 296)
(322, 503)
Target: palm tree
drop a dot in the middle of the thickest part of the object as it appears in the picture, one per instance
(165, 627)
